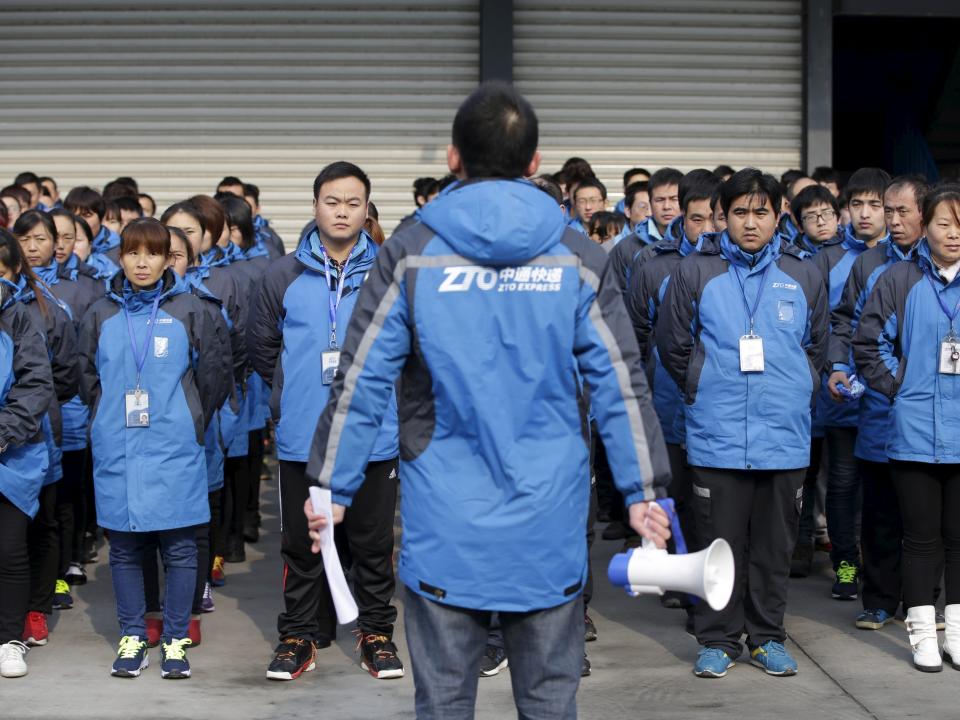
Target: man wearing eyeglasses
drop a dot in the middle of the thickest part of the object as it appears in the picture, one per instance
(836, 414)
(589, 198)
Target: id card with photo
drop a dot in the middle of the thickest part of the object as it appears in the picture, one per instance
(329, 362)
(950, 356)
(751, 354)
(137, 408)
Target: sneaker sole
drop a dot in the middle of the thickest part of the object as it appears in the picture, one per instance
(864, 625)
(63, 607)
(383, 674)
(710, 674)
(929, 668)
(75, 581)
(949, 658)
(783, 673)
(175, 675)
(32, 642)
(589, 637)
(495, 671)
(843, 598)
(13, 673)
(132, 673)
(275, 675)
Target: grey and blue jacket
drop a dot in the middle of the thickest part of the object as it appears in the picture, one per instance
(491, 311)
(874, 408)
(897, 350)
(626, 251)
(26, 391)
(737, 420)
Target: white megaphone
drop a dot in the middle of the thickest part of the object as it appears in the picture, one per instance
(708, 574)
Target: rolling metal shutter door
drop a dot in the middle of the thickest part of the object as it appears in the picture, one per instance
(687, 83)
(182, 93)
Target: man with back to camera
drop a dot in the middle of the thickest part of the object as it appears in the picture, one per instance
(494, 443)
(743, 337)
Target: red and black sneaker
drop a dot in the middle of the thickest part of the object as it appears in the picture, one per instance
(35, 629)
(292, 658)
(379, 656)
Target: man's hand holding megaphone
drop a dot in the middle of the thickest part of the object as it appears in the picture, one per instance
(651, 522)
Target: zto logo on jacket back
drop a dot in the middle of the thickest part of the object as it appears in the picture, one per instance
(524, 278)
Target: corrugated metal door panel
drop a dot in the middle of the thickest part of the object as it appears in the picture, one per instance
(690, 83)
(181, 93)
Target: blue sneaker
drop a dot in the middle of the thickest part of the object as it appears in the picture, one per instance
(173, 659)
(774, 659)
(873, 619)
(131, 657)
(712, 663)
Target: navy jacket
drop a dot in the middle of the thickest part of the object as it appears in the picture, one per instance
(751, 421)
(151, 478)
(897, 350)
(26, 392)
(489, 310)
(626, 251)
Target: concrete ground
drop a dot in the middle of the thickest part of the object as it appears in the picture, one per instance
(641, 663)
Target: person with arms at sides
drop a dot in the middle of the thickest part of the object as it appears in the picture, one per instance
(664, 204)
(744, 338)
(589, 197)
(87, 204)
(907, 346)
(837, 416)
(296, 348)
(53, 319)
(881, 534)
(520, 499)
(27, 392)
(816, 212)
(153, 376)
(631, 176)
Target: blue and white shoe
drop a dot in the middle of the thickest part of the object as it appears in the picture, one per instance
(873, 619)
(173, 659)
(774, 659)
(712, 663)
(131, 657)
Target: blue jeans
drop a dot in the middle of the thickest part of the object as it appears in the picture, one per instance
(446, 644)
(179, 551)
(843, 495)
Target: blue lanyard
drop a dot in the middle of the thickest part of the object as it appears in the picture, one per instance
(951, 316)
(141, 358)
(751, 314)
(334, 304)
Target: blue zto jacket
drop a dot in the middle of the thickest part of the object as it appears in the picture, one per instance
(628, 248)
(897, 350)
(290, 329)
(874, 408)
(835, 260)
(737, 420)
(648, 287)
(268, 237)
(26, 391)
(786, 230)
(152, 478)
(488, 311)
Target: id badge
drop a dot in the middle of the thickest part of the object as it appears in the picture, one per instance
(329, 362)
(950, 356)
(137, 405)
(751, 354)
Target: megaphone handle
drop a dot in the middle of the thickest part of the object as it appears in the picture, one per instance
(670, 508)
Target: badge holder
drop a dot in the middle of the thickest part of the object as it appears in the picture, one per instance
(329, 361)
(950, 355)
(137, 408)
(751, 353)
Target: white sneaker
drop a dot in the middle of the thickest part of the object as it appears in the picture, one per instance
(12, 663)
(922, 629)
(951, 641)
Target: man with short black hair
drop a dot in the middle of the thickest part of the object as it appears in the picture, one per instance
(636, 202)
(631, 176)
(744, 337)
(30, 182)
(231, 184)
(130, 209)
(837, 416)
(589, 197)
(500, 286)
(295, 335)
(829, 178)
(49, 194)
(817, 214)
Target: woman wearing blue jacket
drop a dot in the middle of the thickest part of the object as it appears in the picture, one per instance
(26, 390)
(907, 347)
(52, 318)
(153, 380)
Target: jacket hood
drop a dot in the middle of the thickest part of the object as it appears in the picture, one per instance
(168, 285)
(675, 240)
(498, 222)
(7, 294)
(310, 254)
(765, 255)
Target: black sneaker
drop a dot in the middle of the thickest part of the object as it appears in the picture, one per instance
(847, 584)
(589, 629)
(585, 669)
(292, 658)
(802, 561)
(235, 552)
(380, 656)
(493, 661)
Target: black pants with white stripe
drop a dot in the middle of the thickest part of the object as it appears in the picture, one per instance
(365, 543)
